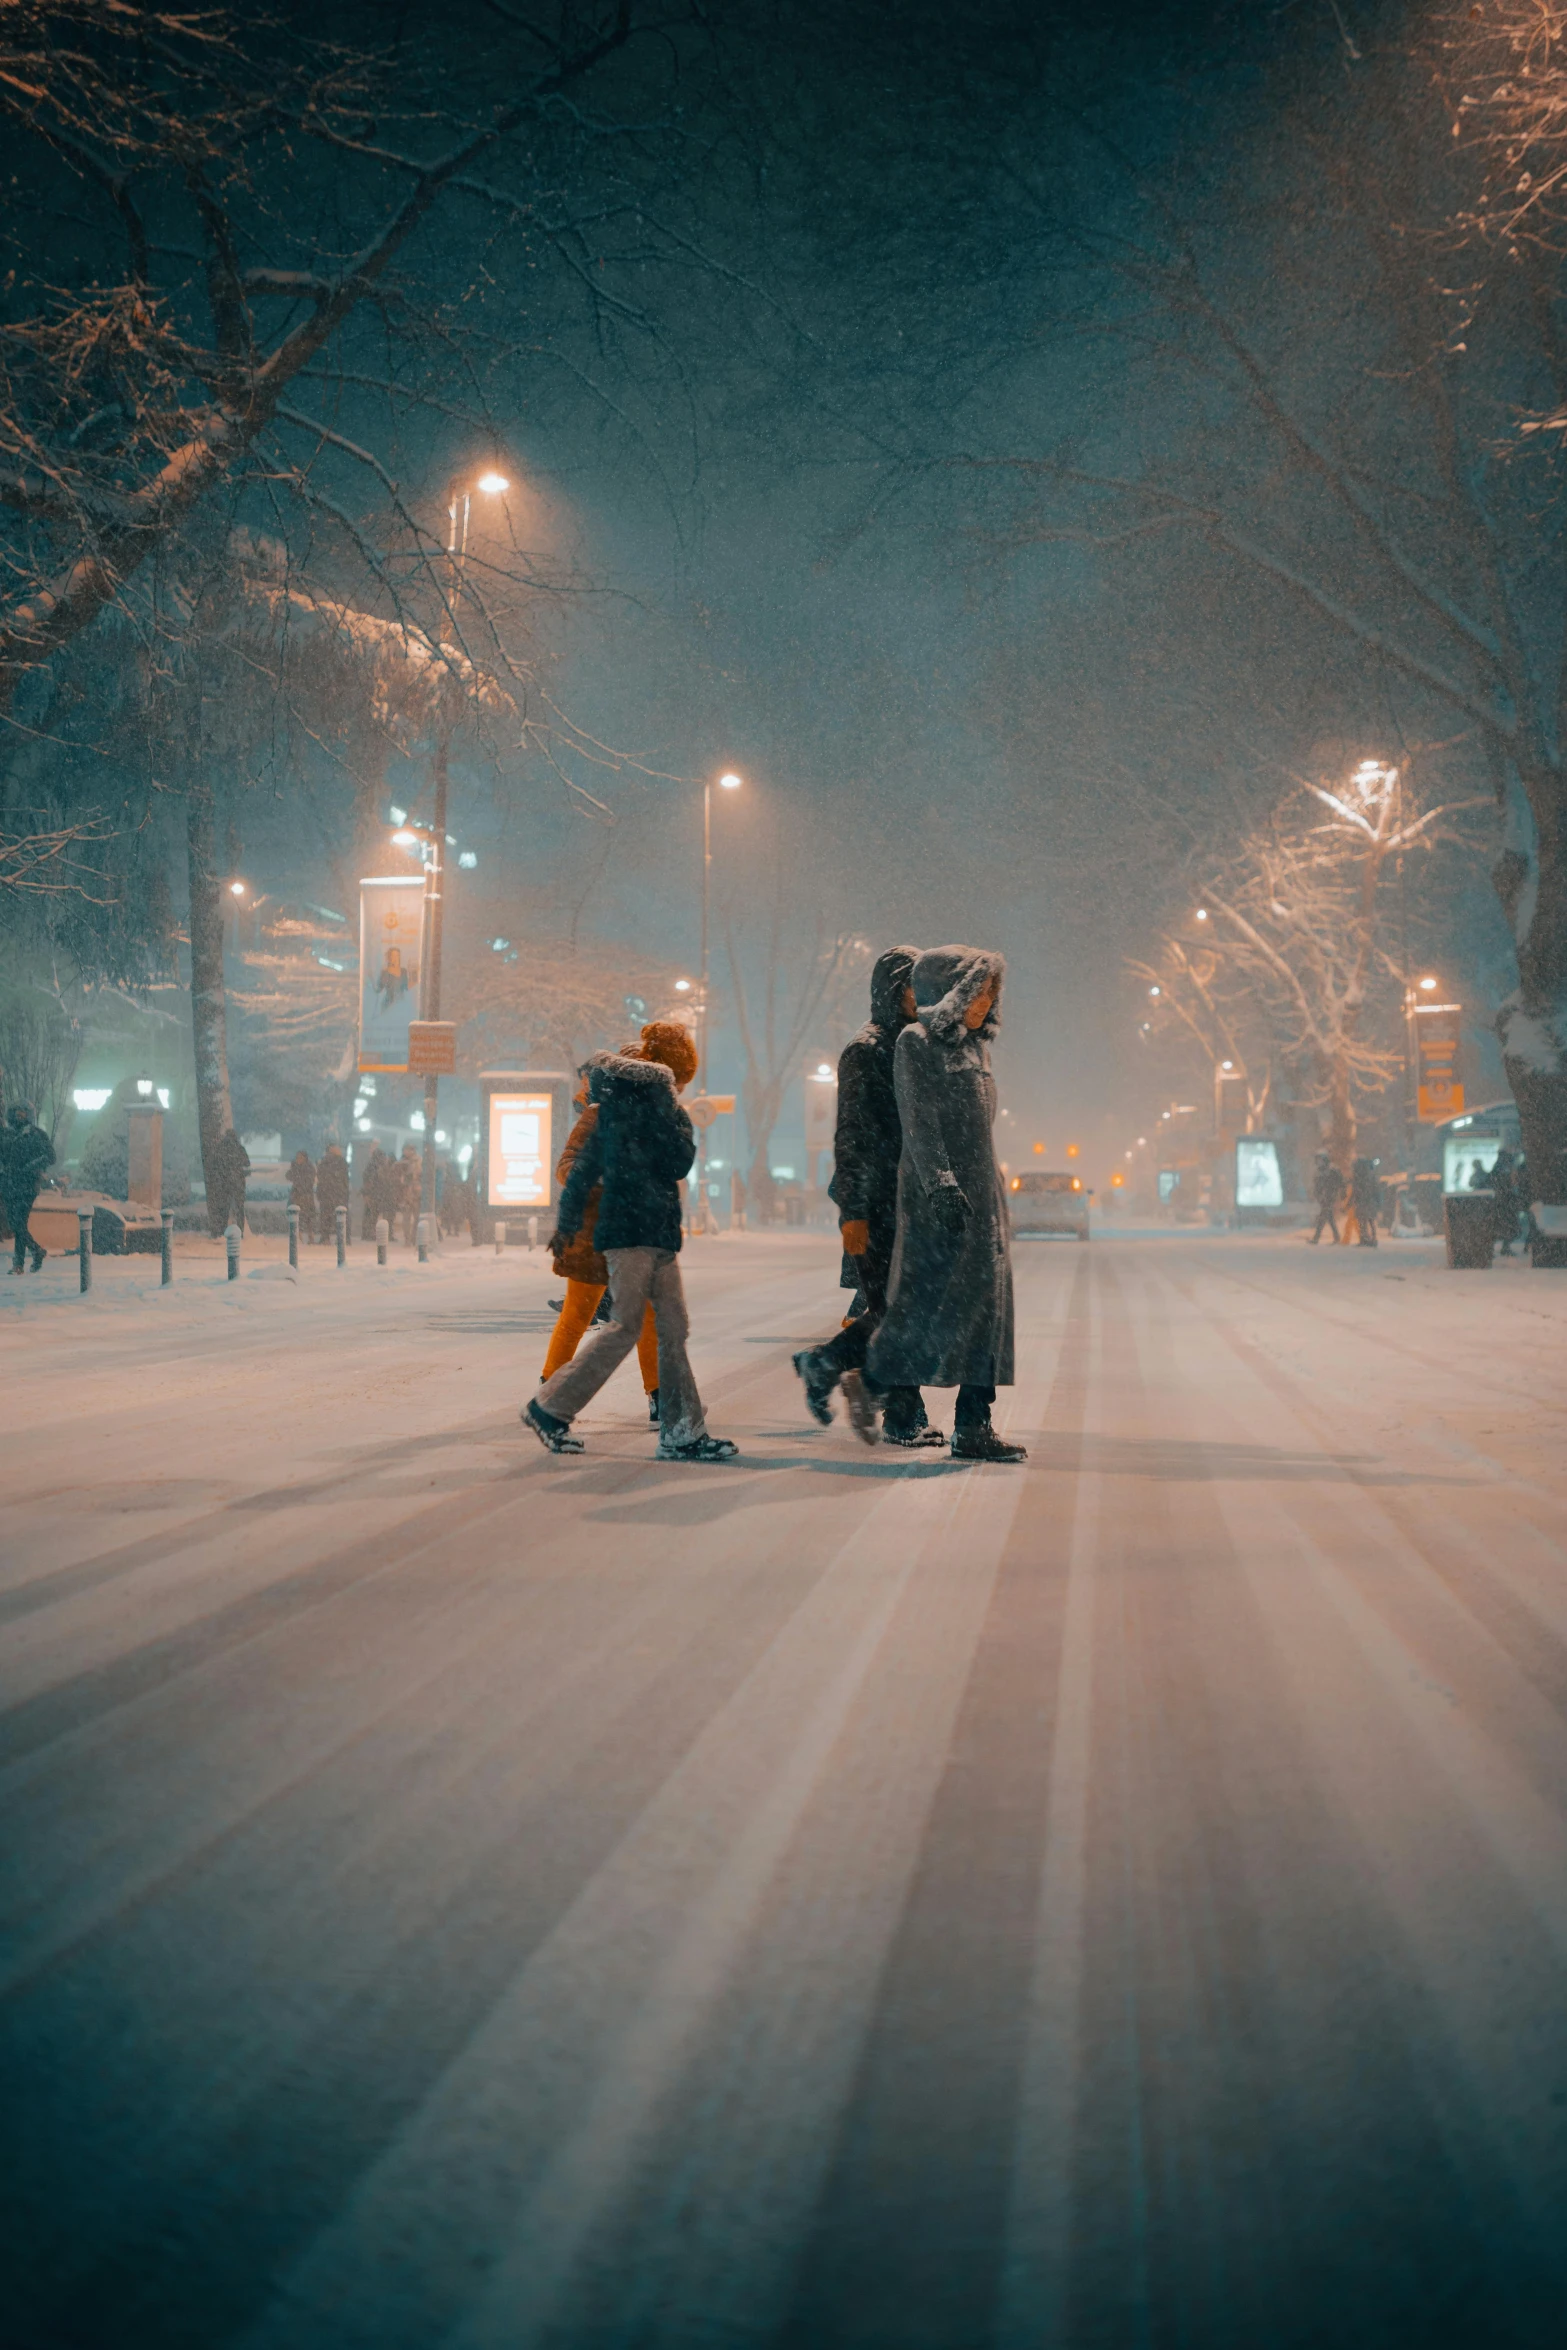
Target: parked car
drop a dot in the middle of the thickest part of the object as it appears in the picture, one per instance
(1049, 1203)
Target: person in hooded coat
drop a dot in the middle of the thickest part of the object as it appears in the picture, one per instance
(26, 1155)
(640, 1152)
(949, 1307)
(579, 1264)
(230, 1169)
(867, 1147)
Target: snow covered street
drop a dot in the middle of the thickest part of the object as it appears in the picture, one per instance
(457, 1895)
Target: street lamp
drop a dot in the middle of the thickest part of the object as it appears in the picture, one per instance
(728, 781)
(459, 508)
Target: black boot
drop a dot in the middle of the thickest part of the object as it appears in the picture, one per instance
(818, 1384)
(983, 1444)
(652, 1406)
(555, 1435)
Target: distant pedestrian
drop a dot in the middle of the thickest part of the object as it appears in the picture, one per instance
(410, 1188)
(1327, 1189)
(226, 1183)
(302, 1192)
(867, 1148)
(641, 1150)
(370, 1191)
(948, 1321)
(26, 1155)
(1365, 1200)
(579, 1264)
(332, 1189)
(1508, 1203)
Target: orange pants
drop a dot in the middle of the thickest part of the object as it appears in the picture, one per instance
(582, 1301)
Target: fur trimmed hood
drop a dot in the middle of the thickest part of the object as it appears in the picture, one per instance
(610, 1073)
(947, 980)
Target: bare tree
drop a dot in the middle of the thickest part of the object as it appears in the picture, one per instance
(1288, 953)
(801, 973)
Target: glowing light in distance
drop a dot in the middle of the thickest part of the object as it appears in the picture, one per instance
(405, 839)
(824, 1068)
(467, 860)
(416, 1121)
(144, 1085)
(1202, 913)
(441, 1134)
(682, 987)
(1226, 1064)
(729, 782)
(1156, 991)
(91, 1097)
(398, 815)
(163, 1096)
(1428, 985)
(493, 484)
(236, 889)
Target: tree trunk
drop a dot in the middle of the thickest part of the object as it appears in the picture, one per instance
(1531, 881)
(762, 1102)
(208, 1005)
(1343, 1127)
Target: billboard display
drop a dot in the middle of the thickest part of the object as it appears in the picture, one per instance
(391, 926)
(1258, 1181)
(1440, 1095)
(526, 1117)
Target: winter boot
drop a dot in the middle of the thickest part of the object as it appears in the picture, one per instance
(652, 1406)
(701, 1448)
(914, 1437)
(818, 1386)
(555, 1435)
(983, 1444)
(862, 1412)
(39, 1255)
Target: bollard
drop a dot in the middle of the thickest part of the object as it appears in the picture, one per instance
(422, 1235)
(342, 1236)
(231, 1243)
(383, 1233)
(500, 1238)
(84, 1244)
(168, 1246)
(293, 1237)
(533, 1232)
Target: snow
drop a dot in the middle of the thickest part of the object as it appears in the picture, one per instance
(453, 1893)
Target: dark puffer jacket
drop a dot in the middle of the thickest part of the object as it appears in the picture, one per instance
(641, 1149)
(577, 1259)
(869, 1137)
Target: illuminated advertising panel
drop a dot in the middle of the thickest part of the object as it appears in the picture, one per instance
(1439, 1093)
(522, 1149)
(1258, 1182)
(391, 925)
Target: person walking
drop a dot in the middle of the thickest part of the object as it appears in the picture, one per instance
(640, 1150)
(332, 1186)
(302, 1192)
(409, 1172)
(1507, 1208)
(579, 1264)
(948, 1321)
(230, 1167)
(1365, 1200)
(1327, 1189)
(26, 1155)
(867, 1147)
(370, 1191)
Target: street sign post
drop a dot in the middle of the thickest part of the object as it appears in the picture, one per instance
(432, 1048)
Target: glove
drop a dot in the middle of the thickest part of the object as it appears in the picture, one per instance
(856, 1237)
(950, 1209)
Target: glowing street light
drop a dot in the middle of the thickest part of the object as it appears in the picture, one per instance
(236, 889)
(729, 783)
(1202, 914)
(494, 485)
(1429, 985)
(682, 987)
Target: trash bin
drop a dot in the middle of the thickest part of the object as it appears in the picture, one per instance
(1471, 1229)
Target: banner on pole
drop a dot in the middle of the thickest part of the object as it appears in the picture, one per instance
(1439, 1094)
(391, 924)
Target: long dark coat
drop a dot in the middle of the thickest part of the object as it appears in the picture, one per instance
(949, 1313)
(26, 1154)
(641, 1150)
(331, 1184)
(868, 1142)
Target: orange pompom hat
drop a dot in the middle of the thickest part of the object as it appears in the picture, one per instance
(666, 1041)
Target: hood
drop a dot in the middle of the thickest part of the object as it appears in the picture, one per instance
(618, 1073)
(946, 981)
(889, 977)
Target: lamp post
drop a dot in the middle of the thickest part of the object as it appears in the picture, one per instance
(459, 508)
(728, 781)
